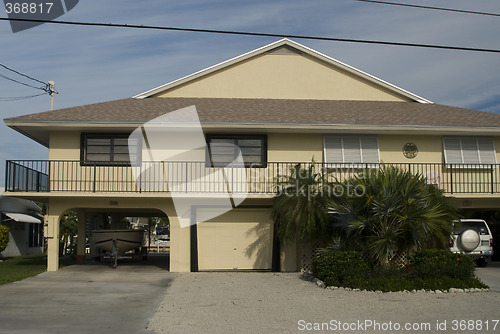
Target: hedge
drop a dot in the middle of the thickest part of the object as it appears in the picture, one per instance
(427, 269)
(4, 237)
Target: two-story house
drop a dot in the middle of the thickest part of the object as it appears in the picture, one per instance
(274, 107)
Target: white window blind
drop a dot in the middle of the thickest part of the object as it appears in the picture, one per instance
(469, 150)
(351, 150)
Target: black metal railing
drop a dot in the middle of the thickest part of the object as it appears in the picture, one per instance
(27, 176)
(198, 177)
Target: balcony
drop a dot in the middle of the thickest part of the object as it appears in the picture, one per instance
(197, 177)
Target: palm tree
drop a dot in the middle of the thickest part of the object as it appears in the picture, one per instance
(68, 229)
(395, 213)
(300, 209)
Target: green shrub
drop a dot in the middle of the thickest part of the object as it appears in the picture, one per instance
(340, 268)
(446, 283)
(4, 237)
(428, 270)
(439, 263)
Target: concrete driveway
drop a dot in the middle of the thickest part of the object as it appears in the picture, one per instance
(490, 275)
(85, 299)
(284, 303)
(147, 299)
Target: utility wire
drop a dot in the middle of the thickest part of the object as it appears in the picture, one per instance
(21, 74)
(18, 98)
(46, 88)
(429, 7)
(21, 83)
(230, 32)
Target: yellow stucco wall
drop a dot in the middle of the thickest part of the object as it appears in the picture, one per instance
(282, 147)
(496, 142)
(283, 76)
(430, 149)
(64, 145)
(294, 147)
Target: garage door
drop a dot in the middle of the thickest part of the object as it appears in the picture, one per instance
(241, 239)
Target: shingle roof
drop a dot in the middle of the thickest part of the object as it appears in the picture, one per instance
(272, 111)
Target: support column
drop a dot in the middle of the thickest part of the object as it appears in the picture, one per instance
(180, 245)
(52, 233)
(82, 237)
(288, 254)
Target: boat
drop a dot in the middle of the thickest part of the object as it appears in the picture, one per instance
(118, 242)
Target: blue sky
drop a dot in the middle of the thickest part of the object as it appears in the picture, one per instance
(96, 64)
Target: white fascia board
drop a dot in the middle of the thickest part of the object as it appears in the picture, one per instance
(300, 47)
(300, 127)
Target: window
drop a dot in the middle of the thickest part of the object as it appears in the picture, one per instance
(351, 150)
(223, 150)
(469, 150)
(107, 148)
(35, 237)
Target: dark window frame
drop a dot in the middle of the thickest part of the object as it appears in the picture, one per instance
(263, 153)
(35, 235)
(83, 149)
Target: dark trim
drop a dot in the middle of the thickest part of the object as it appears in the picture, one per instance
(83, 149)
(276, 253)
(263, 154)
(193, 239)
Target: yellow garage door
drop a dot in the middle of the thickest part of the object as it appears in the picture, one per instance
(241, 239)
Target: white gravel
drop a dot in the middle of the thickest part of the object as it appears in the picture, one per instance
(285, 303)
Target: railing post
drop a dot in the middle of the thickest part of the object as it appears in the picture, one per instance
(27, 183)
(232, 179)
(7, 172)
(492, 184)
(140, 177)
(277, 187)
(186, 183)
(48, 176)
(37, 186)
(451, 178)
(95, 177)
(13, 185)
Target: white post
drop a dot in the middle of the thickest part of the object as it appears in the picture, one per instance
(52, 90)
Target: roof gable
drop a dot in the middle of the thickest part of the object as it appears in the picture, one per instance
(283, 70)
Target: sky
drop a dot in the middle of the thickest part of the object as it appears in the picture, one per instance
(97, 64)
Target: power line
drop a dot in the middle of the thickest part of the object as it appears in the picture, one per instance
(46, 86)
(230, 32)
(21, 83)
(18, 98)
(24, 75)
(430, 7)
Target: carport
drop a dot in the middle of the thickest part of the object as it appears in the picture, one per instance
(95, 212)
(118, 219)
